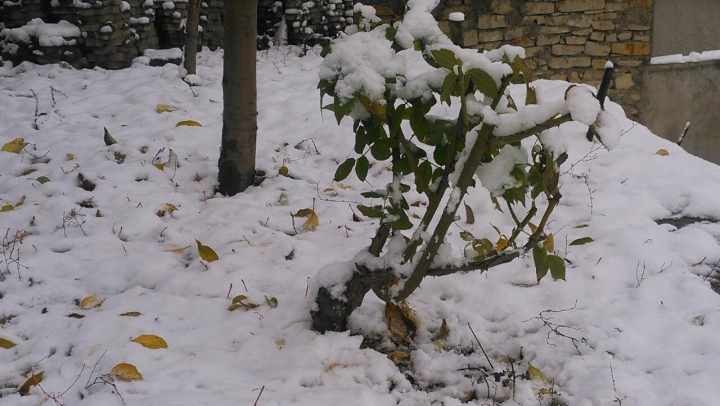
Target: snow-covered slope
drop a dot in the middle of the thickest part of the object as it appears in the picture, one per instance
(640, 323)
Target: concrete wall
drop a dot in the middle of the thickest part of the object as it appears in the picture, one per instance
(674, 94)
(681, 27)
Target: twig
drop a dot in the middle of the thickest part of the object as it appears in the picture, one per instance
(259, 394)
(555, 327)
(639, 277)
(684, 133)
(612, 376)
(481, 347)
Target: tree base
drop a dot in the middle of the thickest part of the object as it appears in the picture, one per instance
(332, 312)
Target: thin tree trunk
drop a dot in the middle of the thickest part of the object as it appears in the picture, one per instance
(191, 36)
(237, 152)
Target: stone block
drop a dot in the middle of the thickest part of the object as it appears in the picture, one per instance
(490, 36)
(572, 62)
(631, 48)
(469, 38)
(567, 49)
(553, 30)
(625, 81)
(548, 39)
(492, 21)
(501, 6)
(571, 6)
(575, 40)
(516, 32)
(603, 25)
(538, 8)
(598, 36)
(580, 20)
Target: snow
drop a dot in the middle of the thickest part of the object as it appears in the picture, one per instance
(361, 63)
(583, 105)
(456, 17)
(637, 302)
(47, 34)
(495, 175)
(691, 57)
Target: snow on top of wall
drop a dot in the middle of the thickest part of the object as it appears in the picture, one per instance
(47, 34)
(691, 57)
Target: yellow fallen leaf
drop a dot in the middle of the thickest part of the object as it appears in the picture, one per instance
(343, 186)
(284, 171)
(188, 123)
(167, 208)
(69, 157)
(166, 108)
(126, 372)
(7, 344)
(397, 323)
(130, 314)
(178, 251)
(332, 366)
(7, 207)
(14, 146)
(21, 201)
(160, 166)
(662, 152)
(90, 302)
(29, 171)
(150, 341)
(410, 313)
(239, 301)
(280, 342)
(206, 253)
(536, 374)
(271, 301)
(32, 381)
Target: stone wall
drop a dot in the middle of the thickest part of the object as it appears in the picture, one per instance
(564, 39)
(305, 22)
(114, 32)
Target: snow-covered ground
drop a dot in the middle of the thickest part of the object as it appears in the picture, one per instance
(640, 324)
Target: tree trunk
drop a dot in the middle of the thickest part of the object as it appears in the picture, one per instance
(237, 151)
(191, 36)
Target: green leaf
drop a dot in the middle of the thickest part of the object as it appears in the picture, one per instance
(361, 140)
(374, 212)
(43, 179)
(344, 169)
(374, 194)
(109, 140)
(557, 267)
(361, 168)
(390, 33)
(325, 50)
(542, 264)
(582, 241)
(448, 88)
(531, 96)
(483, 82)
(425, 171)
(381, 151)
(445, 58)
(402, 223)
